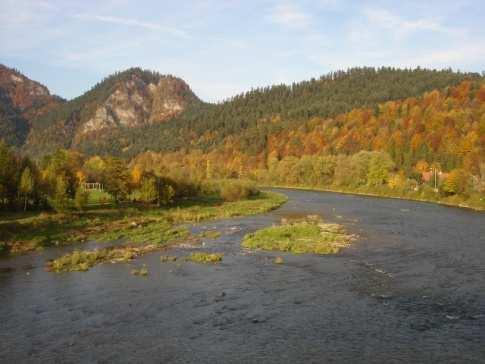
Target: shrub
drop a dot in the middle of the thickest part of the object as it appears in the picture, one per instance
(233, 190)
(81, 199)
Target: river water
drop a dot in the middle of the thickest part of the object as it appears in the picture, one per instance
(411, 289)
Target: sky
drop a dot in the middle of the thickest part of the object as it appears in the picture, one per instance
(222, 48)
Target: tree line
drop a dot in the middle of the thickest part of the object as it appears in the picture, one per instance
(248, 116)
(59, 180)
(441, 133)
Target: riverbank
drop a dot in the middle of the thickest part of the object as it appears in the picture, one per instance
(479, 205)
(128, 223)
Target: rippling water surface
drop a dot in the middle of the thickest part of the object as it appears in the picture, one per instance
(410, 289)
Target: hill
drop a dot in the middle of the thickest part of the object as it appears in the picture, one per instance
(246, 116)
(128, 99)
(21, 100)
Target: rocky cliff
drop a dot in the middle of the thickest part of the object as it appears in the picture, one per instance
(137, 101)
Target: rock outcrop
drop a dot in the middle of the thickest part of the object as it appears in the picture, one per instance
(136, 102)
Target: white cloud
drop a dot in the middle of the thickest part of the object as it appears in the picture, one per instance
(132, 22)
(290, 16)
(457, 56)
(385, 19)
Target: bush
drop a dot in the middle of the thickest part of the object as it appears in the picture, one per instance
(81, 199)
(233, 190)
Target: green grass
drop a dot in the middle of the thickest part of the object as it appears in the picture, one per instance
(130, 223)
(306, 236)
(425, 194)
(83, 260)
(205, 258)
(210, 234)
(99, 198)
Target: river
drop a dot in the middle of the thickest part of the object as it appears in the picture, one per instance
(411, 288)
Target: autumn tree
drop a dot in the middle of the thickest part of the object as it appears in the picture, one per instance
(26, 187)
(116, 178)
(455, 182)
(60, 198)
(148, 189)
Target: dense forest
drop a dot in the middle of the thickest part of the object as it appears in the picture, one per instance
(13, 127)
(204, 126)
(407, 148)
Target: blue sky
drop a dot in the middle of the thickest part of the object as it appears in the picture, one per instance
(222, 48)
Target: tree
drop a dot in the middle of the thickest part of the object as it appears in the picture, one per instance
(346, 171)
(8, 177)
(116, 178)
(94, 168)
(455, 182)
(379, 167)
(60, 200)
(26, 185)
(167, 193)
(81, 198)
(148, 189)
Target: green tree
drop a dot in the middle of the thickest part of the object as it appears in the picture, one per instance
(116, 178)
(27, 185)
(81, 198)
(60, 200)
(166, 194)
(380, 165)
(148, 189)
(8, 175)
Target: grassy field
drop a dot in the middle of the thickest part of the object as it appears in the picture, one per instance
(129, 223)
(310, 235)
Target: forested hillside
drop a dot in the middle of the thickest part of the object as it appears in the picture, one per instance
(405, 133)
(246, 116)
(13, 127)
(128, 100)
(21, 100)
(400, 148)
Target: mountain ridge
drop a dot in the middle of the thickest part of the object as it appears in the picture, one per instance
(136, 110)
